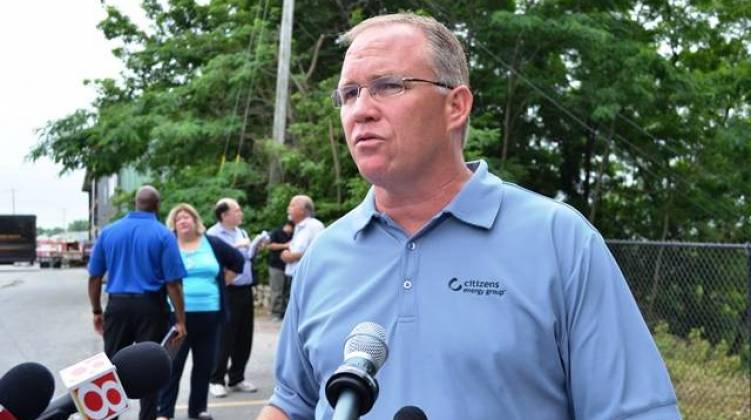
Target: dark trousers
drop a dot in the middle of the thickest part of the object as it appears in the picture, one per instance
(131, 319)
(202, 341)
(236, 337)
(277, 279)
(287, 290)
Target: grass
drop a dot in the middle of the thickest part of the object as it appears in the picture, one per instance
(709, 382)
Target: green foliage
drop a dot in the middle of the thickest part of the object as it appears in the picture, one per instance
(78, 225)
(49, 232)
(74, 226)
(202, 187)
(636, 113)
(709, 382)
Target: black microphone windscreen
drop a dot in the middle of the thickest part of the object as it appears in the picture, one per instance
(26, 389)
(143, 368)
(410, 412)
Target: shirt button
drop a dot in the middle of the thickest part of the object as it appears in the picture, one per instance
(412, 246)
(407, 284)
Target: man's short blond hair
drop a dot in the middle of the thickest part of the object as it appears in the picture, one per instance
(200, 228)
(307, 204)
(446, 52)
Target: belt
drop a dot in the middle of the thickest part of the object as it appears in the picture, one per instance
(240, 287)
(145, 295)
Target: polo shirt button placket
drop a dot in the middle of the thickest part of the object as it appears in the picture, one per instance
(407, 292)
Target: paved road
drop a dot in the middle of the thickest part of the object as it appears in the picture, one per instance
(45, 317)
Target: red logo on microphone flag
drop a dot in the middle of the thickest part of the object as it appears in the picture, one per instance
(5, 414)
(95, 388)
(102, 398)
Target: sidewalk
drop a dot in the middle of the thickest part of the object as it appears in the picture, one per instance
(260, 371)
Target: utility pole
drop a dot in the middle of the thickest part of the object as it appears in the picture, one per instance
(13, 199)
(282, 82)
(282, 71)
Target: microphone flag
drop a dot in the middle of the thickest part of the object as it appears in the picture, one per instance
(95, 388)
(5, 414)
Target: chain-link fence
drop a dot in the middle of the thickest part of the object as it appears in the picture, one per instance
(696, 299)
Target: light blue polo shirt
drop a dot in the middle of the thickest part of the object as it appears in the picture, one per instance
(231, 236)
(506, 305)
(138, 253)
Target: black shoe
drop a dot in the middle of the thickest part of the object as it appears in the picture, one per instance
(204, 415)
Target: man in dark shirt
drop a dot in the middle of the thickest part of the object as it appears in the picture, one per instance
(141, 259)
(280, 287)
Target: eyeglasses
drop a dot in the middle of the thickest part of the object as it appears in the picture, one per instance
(382, 87)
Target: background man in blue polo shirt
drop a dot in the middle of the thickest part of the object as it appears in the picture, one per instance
(141, 259)
(499, 303)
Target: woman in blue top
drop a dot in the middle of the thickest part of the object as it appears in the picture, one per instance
(210, 263)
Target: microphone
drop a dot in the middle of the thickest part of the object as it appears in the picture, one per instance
(24, 391)
(410, 412)
(140, 370)
(144, 368)
(352, 389)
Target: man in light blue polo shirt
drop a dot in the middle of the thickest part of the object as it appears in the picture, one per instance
(499, 303)
(236, 340)
(142, 261)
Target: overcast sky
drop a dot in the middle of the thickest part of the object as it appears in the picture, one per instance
(48, 48)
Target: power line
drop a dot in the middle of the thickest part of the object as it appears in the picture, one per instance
(249, 52)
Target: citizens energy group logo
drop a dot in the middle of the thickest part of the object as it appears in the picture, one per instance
(477, 287)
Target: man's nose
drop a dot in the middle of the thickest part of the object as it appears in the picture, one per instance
(364, 107)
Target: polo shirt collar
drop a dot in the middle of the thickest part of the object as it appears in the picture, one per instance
(303, 222)
(477, 203)
(364, 212)
(479, 199)
(141, 215)
(224, 229)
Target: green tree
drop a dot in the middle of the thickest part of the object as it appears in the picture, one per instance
(78, 225)
(49, 231)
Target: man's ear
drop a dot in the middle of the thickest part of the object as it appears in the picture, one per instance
(458, 107)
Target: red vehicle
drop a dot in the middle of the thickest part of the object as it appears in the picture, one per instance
(74, 253)
(57, 252)
(50, 253)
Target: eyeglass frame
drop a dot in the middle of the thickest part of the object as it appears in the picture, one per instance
(339, 103)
